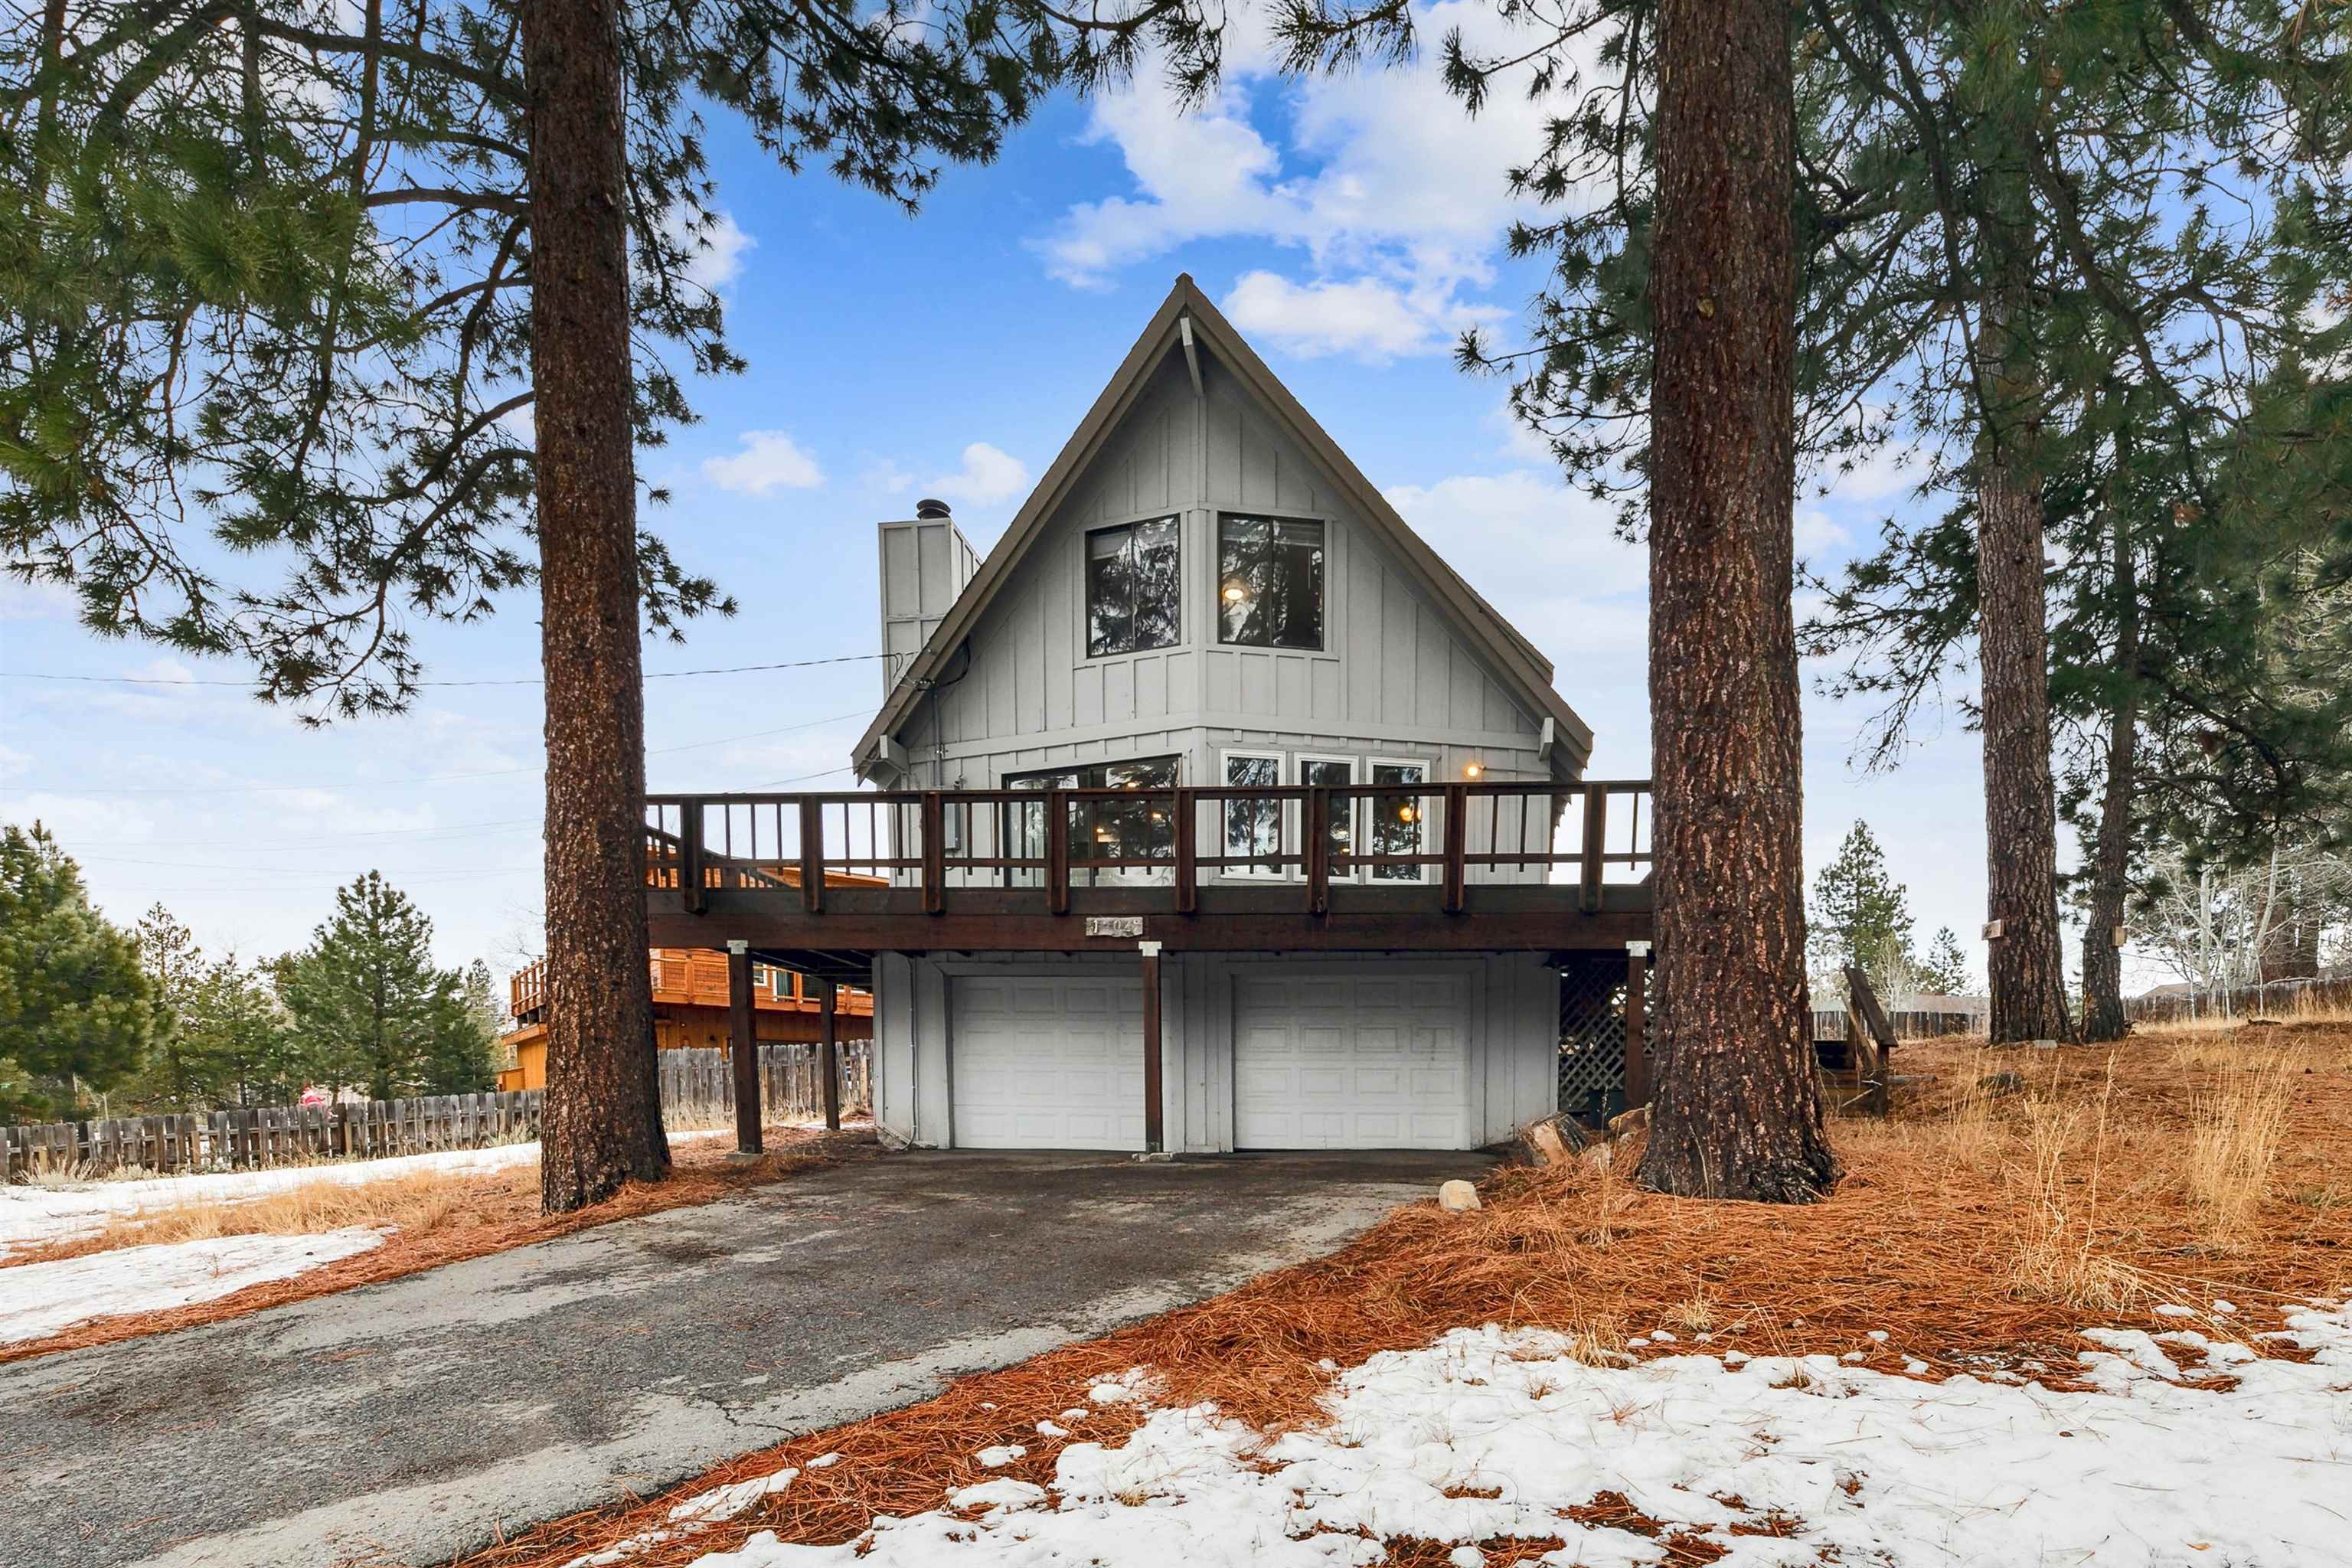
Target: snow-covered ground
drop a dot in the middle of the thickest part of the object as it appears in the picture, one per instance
(1487, 1433)
(40, 1299)
(34, 1213)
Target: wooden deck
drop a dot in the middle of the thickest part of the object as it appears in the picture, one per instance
(685, 977)
(820, 883)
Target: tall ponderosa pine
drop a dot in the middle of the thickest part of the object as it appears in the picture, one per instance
(77, 1011)
(298, 278)
(1737, 1109)
(1682, 119)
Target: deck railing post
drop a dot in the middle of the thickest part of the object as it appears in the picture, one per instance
(1057, 852)
(933, 827)
(1188, 852)
(1318, 852)
(689, 858)
(812, 854)
(1596, 840)
(1458, 844)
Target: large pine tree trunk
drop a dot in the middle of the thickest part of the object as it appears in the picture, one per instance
(2103, 961)
(1735, 1111)
(2027, 963)
(602, 1121)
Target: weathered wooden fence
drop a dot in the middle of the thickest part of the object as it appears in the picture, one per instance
(2278, 999)
(699, 1081)
(694, 1083)
(1911, 1025)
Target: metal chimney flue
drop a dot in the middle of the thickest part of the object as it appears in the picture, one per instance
(930, 510)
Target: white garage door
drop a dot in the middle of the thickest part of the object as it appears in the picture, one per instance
(1047, 1063)
(1351, 1062)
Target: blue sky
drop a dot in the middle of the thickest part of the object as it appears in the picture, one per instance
(1349, 228)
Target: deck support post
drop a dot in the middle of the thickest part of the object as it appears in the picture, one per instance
(742, 1050)
(1154, 1130)
(1637, 1045)
(828, 1055)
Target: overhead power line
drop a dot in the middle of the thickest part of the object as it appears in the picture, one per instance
(501, 680)
(433, 778)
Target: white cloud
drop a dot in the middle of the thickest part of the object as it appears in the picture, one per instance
(989, 475)
(715, 249)
(12, 761)
(769, 460)
(1368, 318)
(1817, 534)
(1398, 197)
(36, 601)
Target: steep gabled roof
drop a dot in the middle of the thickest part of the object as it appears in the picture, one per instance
(1514, 656)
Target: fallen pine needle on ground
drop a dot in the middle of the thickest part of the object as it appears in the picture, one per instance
(121, 1273)
(2043, 1300)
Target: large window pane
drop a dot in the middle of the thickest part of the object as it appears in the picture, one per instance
(1269, 582)
(1133, 592)
(1396, 825)
(1253, 827)
(1334, 775)
(1137, 829)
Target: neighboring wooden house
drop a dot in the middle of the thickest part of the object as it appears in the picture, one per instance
(1217, 812)
(689, 1009)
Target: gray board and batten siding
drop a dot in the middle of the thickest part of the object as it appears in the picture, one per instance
(1394, 679)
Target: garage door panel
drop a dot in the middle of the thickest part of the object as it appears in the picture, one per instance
(1045, 1063)
(1351, 1062)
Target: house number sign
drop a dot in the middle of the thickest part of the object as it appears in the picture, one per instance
(1114, 925)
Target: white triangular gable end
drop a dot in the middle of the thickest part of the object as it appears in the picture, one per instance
(1193, 426)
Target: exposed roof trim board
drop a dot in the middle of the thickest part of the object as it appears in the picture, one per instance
(1186, 319)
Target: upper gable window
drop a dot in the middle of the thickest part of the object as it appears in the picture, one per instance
(1270, 581)
(1132, 587)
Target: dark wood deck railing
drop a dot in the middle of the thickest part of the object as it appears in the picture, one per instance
(1595, 833)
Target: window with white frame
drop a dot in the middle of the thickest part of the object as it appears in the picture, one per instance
(1397, 823)
(1253, 826)
(1336, 774)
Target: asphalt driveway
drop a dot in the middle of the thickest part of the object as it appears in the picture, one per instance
(406, 1422)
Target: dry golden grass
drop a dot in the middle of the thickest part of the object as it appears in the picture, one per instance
(2082, 1162)
(2233, 1147)
(442, 1217)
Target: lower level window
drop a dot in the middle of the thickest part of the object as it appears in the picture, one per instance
(1399, 822)
(1100, 829)
(1253, 824)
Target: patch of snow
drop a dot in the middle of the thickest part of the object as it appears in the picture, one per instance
(1001, 1454)
(41, 1299)
(35, 1213)
(1878, 1334)
(2224, 1309)
(695, 1514)
(1864, 1466)
(1048, 1429)
(1077, 1413)
(825, 1461)
(2172, 1309)
(1004, 1492)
